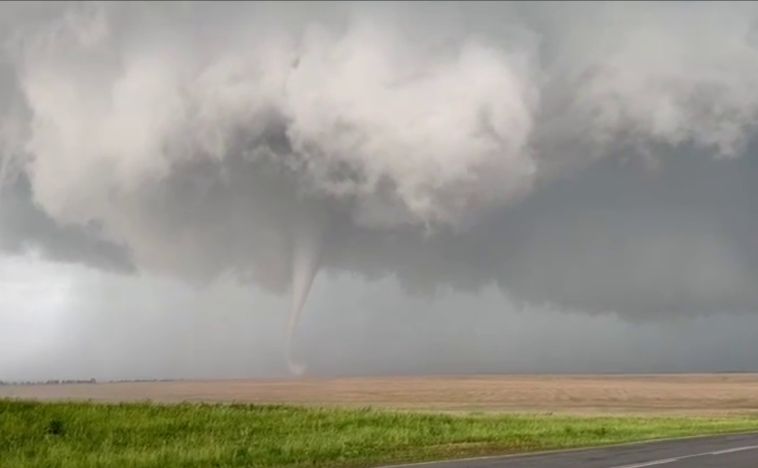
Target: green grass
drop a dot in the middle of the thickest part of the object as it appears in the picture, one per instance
(84, 434)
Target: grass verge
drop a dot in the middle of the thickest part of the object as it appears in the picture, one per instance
(187, 435)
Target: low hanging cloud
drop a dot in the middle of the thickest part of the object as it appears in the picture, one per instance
(24, 227)
(597, 157)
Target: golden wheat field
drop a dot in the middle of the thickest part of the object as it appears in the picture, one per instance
(679, 393)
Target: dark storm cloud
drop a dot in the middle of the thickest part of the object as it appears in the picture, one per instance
(596, 157)
(24, 228)
(614, 237)
(680, 239)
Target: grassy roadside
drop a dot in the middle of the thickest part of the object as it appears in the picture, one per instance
(84, 434)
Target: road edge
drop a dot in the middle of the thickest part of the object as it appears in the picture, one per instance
(569, 450)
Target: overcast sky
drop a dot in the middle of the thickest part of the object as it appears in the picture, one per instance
(467, 188)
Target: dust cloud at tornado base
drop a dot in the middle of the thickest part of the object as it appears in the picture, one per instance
(598, 159)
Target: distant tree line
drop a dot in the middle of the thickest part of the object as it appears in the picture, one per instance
(50, 382)
(79, 381)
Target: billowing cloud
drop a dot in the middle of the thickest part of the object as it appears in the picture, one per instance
(597, 157)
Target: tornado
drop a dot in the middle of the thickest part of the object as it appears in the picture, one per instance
(306, 255)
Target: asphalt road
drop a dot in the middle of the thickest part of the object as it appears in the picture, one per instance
(733, 451)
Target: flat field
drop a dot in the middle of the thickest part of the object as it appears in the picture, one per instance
(673, 394)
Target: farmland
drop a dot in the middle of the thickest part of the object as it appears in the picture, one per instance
(687, 394)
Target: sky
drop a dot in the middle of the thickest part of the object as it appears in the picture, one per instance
(259, 190)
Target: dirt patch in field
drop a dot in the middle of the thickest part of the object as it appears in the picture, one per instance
(670, 394)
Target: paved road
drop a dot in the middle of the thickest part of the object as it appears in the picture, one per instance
(733, 451)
